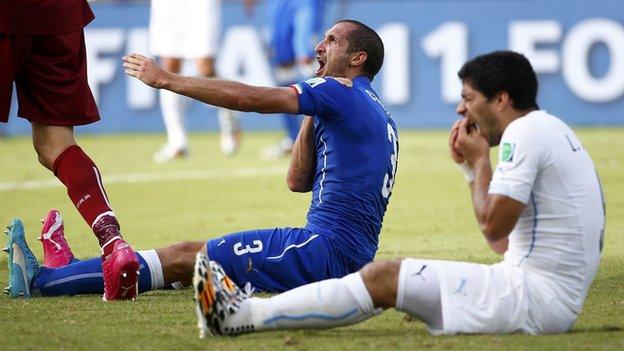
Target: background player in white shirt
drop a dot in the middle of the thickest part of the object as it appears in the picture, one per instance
(187, 29)
(542, 207)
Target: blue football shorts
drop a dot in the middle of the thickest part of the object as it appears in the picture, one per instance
(279, 259)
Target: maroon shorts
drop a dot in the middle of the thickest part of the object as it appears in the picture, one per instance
(50, 75)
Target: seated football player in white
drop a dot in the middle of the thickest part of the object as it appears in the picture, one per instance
(542, 208)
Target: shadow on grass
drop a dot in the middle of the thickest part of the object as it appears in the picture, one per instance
(601, 329)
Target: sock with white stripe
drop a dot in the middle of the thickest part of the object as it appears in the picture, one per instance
(325, 304)
(84, 185)
(85, 277)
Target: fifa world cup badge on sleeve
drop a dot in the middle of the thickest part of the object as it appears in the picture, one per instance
(507, 152)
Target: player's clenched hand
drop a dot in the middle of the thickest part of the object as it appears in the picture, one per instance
(455, 154)
(470, 143)
(145, 69)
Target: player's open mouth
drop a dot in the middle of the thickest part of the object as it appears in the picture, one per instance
(321, 65)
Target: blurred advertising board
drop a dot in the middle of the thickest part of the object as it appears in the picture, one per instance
(576, 47)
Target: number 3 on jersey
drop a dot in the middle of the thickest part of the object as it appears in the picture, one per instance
(388, 183)
(256, 246)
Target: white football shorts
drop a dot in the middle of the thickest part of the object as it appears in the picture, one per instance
(186, 29)
(484, 299)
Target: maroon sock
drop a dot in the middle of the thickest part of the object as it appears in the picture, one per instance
(84, 186)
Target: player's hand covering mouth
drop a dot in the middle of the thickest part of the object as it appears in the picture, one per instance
(321, 63)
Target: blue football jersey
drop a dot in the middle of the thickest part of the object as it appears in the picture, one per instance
(357, 150)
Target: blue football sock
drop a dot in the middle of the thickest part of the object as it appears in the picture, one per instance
(81, 277)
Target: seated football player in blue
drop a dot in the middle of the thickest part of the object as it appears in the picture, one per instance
(346, 155)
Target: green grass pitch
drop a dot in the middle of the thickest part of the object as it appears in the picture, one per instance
(208, 195)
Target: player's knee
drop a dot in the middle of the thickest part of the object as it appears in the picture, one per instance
(207, 71)
(50, 142)
(46, 155)
(381, 280)
(171, 64)
(206, 68)
(43, 160)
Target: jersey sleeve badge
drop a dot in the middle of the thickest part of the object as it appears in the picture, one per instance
(508, 151)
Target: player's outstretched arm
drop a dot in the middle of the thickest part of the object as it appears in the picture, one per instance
(222, 93)
(300, 176)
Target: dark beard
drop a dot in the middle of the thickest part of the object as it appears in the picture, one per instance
(335, 72)
(493, 137)
(340, 71)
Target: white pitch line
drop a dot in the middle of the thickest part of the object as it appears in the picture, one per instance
(154, 177)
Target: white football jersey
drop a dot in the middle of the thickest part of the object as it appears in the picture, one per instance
(558, 237)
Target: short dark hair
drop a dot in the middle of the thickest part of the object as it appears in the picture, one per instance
(364, 38)
(503, 71)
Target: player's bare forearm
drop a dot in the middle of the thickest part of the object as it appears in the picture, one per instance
(222, 93)
(303, 160)
(481, 205)
(497, 215)
(235, 95)
(479, 190)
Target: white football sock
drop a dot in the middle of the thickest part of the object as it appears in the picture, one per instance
(228, 120)
(173, 108)
(155, 268)
(230, 131)
(325, 304)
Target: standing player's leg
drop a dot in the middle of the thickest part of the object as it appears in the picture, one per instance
(305, 29)
(53, 94)
(304, 33)
(325, 304)
(281, 14)
(204, 31)
(229, 126)
(168, 40)
(173, 108)
(58, 152)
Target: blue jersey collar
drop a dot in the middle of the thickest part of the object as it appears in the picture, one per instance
(361, 80)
